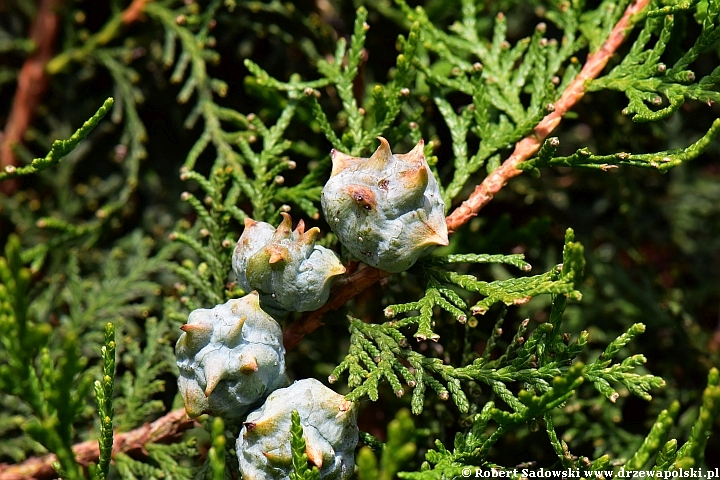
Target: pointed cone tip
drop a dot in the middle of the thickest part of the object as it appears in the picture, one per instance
(214, 374)
(313, 453)
(249, 367)
(236, 331)
(307, 238)
(191, 328)
(300, 228)
(285, 226)
(416, 178)
(416, 155)
(435, 238)
(382, 155)
(277, 253)
(340, 161)
(338, 269)
(194, 400)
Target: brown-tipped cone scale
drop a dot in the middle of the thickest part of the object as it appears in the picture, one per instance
(290, 272)
(387, 209)
(330, 431)
(230, 358)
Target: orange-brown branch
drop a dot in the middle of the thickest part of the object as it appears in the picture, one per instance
(491, 185)
(32, 85)
(528, 146)
(134, 11)
(163, 429)
(176, 421)
(34, 78)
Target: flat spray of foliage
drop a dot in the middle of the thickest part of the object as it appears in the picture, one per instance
(95, 284)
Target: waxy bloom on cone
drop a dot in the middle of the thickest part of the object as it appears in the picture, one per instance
(289, 271)
(330, 431)
(386, 209)
(230, 358)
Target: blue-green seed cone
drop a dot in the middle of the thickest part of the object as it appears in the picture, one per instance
(230, 358)
(285, 266)
(330, 430)
(387, 209)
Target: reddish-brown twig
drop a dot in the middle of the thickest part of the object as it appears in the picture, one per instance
(527, 147)
(32, 84)
(347, 288)
(492, 184)
(342, 291)
(162, 429)
(34, 77)
(134, 11)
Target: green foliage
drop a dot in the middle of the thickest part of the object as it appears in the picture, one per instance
(148, 365)
(692, 452)
(301, 471)
(216, 454)
(399, 449)
(104, 393)
(53, 388)
(60, 148)
(245, 100)
(646, 80)
(661, 161)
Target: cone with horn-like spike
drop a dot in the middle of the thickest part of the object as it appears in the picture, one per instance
(387, 209)
(285, 266)
(230, 358)
(330, 430)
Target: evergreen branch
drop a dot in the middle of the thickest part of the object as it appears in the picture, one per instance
(520, 290)
(170, 459)
(516, 260)
(661, 161)
(655, 439)
(104, 394)
(154, 360)
(645, 80)
(299, 455)
(379, 348)
(32, 83)
(528, 146)
(471, 449)
(433, 298)
(54, 390)
(601, 372)
(398, 450)
(562, 389)
(165, 428)
(560, 447)
(60, 148)
(216, 454)
(105, 35)
(691, 454)
(666, 456)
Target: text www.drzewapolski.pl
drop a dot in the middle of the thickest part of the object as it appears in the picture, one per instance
(591, 474)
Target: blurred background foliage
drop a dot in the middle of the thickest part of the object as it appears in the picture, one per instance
(652, 240)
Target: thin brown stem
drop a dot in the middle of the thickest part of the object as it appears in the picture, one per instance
(163, 429)
(34, 76)
(491, 185)
(31, 87)
(528, 146)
